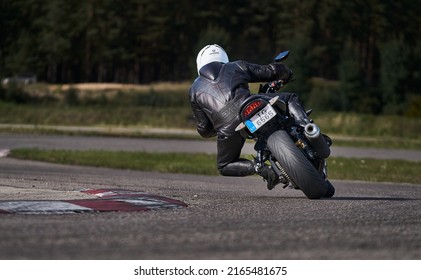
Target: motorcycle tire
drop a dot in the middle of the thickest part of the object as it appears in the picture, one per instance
(299, 169)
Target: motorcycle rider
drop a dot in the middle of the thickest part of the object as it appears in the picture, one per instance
(215, 97)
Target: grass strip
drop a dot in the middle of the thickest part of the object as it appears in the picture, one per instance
(162, 162)
(375, 170)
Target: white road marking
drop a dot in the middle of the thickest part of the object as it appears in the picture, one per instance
(4, 153)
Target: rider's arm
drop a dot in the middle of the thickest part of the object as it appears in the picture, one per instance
(265, 73)
(204, 125)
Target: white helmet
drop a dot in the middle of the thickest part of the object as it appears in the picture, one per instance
(209, 54)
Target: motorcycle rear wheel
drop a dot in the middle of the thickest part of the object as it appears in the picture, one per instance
(299, 169)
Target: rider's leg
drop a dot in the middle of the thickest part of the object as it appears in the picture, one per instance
(269, 175)
(230, 164)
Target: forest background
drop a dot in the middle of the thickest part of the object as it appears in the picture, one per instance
(359, 56)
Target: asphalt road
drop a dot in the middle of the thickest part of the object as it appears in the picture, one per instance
(226, 218)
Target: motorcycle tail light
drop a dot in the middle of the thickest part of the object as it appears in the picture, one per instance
(251, 107)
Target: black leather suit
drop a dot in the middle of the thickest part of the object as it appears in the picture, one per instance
(215, 96)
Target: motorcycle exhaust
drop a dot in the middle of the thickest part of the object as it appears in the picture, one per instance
(316, 140)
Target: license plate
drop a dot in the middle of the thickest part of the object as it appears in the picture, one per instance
(261, 118)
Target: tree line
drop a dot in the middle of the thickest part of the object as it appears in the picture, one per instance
(359, 55)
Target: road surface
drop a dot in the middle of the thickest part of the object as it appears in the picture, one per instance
(226, 218)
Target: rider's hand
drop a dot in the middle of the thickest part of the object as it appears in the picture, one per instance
(289, 77)
(284, 73)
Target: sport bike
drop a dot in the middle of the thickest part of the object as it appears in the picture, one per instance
(296, 152)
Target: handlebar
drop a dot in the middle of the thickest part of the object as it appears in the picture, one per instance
(273, 86)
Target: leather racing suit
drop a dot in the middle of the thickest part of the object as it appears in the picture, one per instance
(215, 97)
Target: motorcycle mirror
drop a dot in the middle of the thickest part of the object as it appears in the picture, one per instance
(283, 55)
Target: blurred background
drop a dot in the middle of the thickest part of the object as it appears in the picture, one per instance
(359, 56)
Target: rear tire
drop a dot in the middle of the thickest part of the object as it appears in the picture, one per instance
(299, 169)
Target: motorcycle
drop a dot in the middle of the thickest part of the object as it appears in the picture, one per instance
(297, 153)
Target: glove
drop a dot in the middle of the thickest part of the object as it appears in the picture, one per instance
(283, 72)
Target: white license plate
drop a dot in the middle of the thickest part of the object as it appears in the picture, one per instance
(262, 117)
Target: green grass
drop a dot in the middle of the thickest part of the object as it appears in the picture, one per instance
(377, 142)
(345, 129)
(364, 125)
(95, 115)
(166, 105)
(375, 170)
(162, 162)
(339, 168)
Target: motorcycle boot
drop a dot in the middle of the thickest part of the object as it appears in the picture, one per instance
(269, 176)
